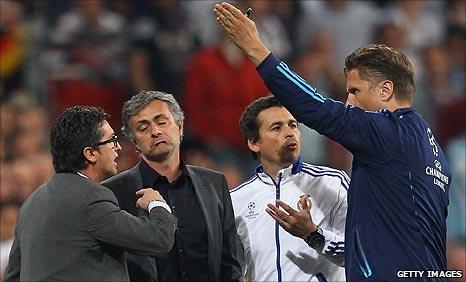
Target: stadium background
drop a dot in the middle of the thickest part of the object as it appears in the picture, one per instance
(56, 54)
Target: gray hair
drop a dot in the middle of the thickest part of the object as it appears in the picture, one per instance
(142, 100)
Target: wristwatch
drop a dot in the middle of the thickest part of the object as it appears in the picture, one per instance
(316, 239)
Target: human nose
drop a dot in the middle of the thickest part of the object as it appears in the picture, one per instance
(350, 99)
(117, 146)
(289, 131)
(155, 130)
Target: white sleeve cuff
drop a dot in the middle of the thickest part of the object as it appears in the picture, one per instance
(153, 204)
(333, 242)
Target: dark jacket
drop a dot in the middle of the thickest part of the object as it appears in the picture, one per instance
(214, 199)
(398, 196)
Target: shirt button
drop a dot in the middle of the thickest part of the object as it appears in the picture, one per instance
(180, 251)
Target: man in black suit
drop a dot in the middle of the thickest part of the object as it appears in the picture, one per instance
(205, 240)
(71, 228)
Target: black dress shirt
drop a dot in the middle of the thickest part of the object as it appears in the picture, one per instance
(188, 259)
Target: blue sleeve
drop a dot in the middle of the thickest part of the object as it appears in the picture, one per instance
(370, 136)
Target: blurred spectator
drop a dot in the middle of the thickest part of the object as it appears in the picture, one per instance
(316, 64)
(162, 43)
(451, 121)
(13, 36)
(417, 17)
(220, 83)
(8, 214)
(198, 154)
(86, 61)
(123, 8)
(25, 128)
(200, 20)
(391, 34)
(456, 221)
(350, 23)
(23, 176)
(92, 59)
(6, 128)
(269, 25)
(456, 12)
(127, 156)
(437, 89)
(455, 46)
(25, 161)
(289, 13)
(456, 257)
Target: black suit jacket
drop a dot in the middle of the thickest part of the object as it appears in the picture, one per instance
(214, 199)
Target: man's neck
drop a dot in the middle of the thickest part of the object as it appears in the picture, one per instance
(169, 168)
(90, 174)
(397, 105)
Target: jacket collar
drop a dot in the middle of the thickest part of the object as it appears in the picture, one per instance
(283, 173)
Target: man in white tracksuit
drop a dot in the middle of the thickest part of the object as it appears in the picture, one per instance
(277, 242)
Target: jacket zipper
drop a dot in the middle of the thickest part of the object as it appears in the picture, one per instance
(277, 228)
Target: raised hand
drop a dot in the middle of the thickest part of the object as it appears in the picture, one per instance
(242, 31)
(297, 223)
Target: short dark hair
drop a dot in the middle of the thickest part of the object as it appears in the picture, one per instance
(75, 129)
(142, 100)
(249, 124)
(377, 62)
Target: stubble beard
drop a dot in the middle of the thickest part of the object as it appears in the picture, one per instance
(158, 155)
(286, 156)
(108, 173)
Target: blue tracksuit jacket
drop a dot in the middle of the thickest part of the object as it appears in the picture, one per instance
(398, 196)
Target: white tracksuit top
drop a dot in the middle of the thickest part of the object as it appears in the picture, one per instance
(268, 252)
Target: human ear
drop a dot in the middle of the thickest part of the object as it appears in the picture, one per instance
(253, 146)
(386, 90)
(89, 154)
(181, 127)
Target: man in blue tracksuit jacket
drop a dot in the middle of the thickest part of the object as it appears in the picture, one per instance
(398, 196)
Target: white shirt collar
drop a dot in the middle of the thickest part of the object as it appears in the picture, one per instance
(81, 174)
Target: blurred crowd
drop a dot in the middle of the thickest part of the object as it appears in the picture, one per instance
(56, 54)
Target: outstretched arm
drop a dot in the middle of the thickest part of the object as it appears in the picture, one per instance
(242, 31)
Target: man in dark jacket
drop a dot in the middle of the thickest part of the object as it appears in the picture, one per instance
(205, 243)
